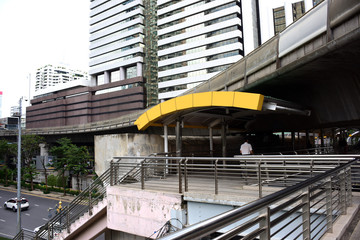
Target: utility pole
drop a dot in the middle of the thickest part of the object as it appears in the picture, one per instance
(19, 171)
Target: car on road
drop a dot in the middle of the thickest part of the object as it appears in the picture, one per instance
(12, 204)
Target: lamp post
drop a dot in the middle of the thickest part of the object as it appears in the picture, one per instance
(19, 171)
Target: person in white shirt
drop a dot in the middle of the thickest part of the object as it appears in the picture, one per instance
(246, 148)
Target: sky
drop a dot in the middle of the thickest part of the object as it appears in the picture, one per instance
(34, 33)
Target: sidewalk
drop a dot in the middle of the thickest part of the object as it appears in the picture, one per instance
(39, 193)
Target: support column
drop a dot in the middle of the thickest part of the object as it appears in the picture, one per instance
(322, 137)
(178, 132)
(122, 73)
(166, 142)
(211, 141)
(106, 77)
(139, 69)
(93, 80)
(293, 140)
(307, 140)
(223, 138)
(283, 138)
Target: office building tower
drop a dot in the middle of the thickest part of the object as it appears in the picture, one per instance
(174, 45)
(276, 15)
(51, 75)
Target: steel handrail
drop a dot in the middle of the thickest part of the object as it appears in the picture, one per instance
(213, 224)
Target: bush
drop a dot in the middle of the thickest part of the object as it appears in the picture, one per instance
(61, 181)
(52, 180)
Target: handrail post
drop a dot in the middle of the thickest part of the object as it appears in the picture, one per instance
(265, 224)
(90, 204)
(111, 172)
(142, 175)
(216, 177)
(329, 209)
(67, 219)
(306, 214)
(343, 200)
(349, 186)
(186, 176)
(259, 179)
(180, 177)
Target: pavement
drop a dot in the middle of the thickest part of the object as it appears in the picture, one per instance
(39, 193)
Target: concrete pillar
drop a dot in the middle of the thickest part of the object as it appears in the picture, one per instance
(322, 137)
(178, 133)
(139, 69)
(93, 80)
(282, 138)
(211, 142)
(166, 141)
(106, 77)
(293, 140)
(122, 73)
(223, 138)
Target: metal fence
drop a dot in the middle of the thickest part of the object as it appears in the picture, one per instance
(303, 211)
(260, 171)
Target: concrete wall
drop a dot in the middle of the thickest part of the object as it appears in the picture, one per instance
(139, 212)
(128, 144)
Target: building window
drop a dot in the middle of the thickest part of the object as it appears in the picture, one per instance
(298, 10)
(131, 72)
(115, 76)
(279, 19)
(100, 79)
(316, 2)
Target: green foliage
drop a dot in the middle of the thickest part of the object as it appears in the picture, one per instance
(69, 157)
(61, 181)
(52, 180)
(30, 147)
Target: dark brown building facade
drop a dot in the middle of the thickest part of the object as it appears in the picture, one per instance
(81, 105)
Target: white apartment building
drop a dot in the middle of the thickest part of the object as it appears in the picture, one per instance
(116, 40)
(196, 40)
(49, 76)
(275, 15)
(178, 44)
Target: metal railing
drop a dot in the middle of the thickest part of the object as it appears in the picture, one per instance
(83, 203)
(259, 171)
(303, 211)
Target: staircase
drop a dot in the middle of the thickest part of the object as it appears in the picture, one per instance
(89, 205)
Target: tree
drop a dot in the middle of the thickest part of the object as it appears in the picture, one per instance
(29, 149)
(7, 151)
(30, 173)
(69, 157)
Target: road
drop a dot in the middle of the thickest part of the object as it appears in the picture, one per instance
(36, 215)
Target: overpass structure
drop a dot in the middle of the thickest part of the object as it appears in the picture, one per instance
(313, 64)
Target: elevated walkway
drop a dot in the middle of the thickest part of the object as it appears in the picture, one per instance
(155, 193)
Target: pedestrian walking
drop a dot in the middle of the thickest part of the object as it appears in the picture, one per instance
(246, 148)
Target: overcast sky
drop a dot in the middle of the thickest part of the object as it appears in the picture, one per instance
(34, 33)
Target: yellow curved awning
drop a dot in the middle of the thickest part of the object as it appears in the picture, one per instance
(251, 101)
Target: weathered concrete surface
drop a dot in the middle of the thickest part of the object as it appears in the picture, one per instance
(128, 144)
(139, 212)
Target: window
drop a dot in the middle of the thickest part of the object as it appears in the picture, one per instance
(279, 19)
(131, 72)
(298, 10)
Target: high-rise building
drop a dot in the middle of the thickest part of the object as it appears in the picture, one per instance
(174, 45)
(276, 15)
(50, 75)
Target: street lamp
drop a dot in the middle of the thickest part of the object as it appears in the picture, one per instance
(19, 171)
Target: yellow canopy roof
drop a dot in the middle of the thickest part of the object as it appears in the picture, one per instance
(192, 103)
